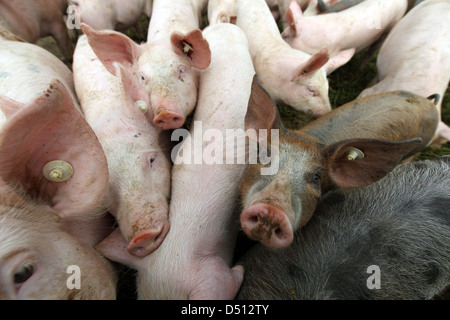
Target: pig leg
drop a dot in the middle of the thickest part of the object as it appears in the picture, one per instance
(222, 283)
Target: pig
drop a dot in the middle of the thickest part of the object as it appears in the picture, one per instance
(110, 14)
(416, 57)
(350, 147)
(194, 261)
(290, 76)
(139, 185)
(53, 175)
(26, 70)
(163, 73)
(342, 33)
(31, 20)
(397, 229)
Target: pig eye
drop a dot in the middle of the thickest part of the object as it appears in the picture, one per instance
(181, 72)
(142, 78)
(314, 177)
(313, 91)
(23, 273)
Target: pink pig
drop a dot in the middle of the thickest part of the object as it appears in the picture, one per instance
(292, 76)
(139, 184)
(31, 20)
(164, 71)
(416, 56)
(342, 33)
(195, 259)
(49, 213)
(110, 14)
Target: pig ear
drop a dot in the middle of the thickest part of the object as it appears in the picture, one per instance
(111, 46)
(9, 106)
(114, 247)
(339, 60)
(262, 113)
(317, 61)
(293, 13)
(194, 46)
(51, 128)
(131, 87)
(360, 162)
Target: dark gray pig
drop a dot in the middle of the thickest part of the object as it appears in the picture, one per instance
(389, 240)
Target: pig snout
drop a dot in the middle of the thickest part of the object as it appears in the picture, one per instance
(268, 224)
(167, 119)
(148, 240)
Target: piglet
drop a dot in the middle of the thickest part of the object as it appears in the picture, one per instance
(342, 33)
(163, 73)
(53, 175)
(194, 261)
(291, 76)
(352, 146)
(416, 56)
(31, 20)
(390, 240)
(110, 14)
(139, 183)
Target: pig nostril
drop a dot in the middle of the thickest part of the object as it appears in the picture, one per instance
(254, 219)
(279, 232)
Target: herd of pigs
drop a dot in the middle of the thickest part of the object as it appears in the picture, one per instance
(89, 179)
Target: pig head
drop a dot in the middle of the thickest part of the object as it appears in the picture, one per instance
(52, 173)
(163, 74)
(335, 150)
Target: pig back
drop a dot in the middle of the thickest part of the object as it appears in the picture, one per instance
(392, 116)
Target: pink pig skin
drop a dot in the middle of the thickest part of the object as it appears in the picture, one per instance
(47, 227)
(139, 184)
(291, 76)
(343, 33)
(162, 72)
(21, 62)
(416, 56)
(110, 14)
(31, 20)
(194, 261)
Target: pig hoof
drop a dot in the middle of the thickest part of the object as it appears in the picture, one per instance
(168, 120)
(267, 224)
(148, 240)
